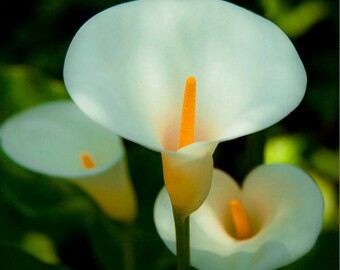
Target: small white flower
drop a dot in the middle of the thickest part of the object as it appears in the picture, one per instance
(57, 139)
(284, 208)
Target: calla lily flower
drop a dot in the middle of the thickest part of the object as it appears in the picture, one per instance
(271, 221)
(58, 140)
(128, 65)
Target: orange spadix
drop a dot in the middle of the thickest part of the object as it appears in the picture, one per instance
(240, 220)
(87, 161)
(187, 129)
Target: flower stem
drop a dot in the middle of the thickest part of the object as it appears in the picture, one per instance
(128, 252)
(182, 240)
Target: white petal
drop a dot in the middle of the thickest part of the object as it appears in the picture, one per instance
(50, 138)
(127, 66)
(281, 198)
(292, 204)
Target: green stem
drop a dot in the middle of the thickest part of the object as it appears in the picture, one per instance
(128, 253)
(182, 240)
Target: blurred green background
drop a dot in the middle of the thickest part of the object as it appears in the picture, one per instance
(48, 223)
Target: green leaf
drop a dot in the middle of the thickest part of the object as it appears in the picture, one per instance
(109, 243)
(285, 149)
(300, 19)
(40, 246)
(326, 162)
(13, 258)
(296, 20)
(331, 208)
(23, 86)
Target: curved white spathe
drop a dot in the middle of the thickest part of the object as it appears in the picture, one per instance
(113, 190)
(126, 68)
(50, 139)
(285, 208)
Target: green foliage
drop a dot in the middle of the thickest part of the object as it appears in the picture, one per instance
(12, 257)
(296, 20)
(326, 162)
(23, 87)
(40, 246)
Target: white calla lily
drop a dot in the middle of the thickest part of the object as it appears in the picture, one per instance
(285, 209)
(127, 66)
(57, 139)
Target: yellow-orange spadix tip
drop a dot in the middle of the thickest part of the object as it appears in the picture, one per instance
(187, 129)
(87, 161)
(240, 220)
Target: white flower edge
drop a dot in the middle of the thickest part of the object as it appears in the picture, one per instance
(282, 201)
(129, 76)
(50, 138)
